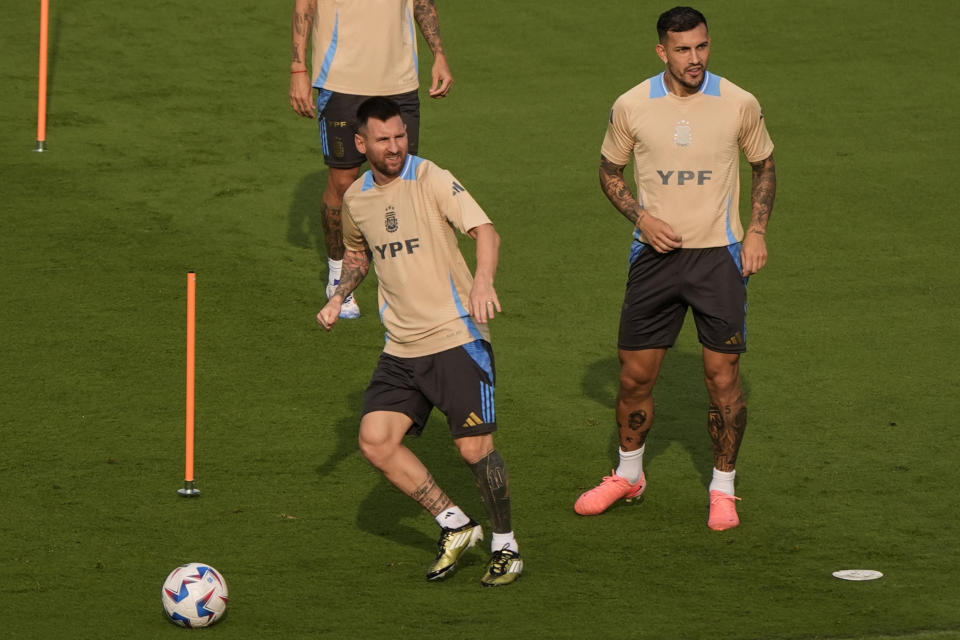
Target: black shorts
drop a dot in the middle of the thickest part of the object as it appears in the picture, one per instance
(338, 123)
(458, 381)
(661, 287)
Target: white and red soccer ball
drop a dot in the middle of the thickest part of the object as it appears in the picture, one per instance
(195, 595)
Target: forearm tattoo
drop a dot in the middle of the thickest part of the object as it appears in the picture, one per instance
(356, 264)
(494, 485)
(615, 188)
(302, 24)
(332, 230)
(726, 427)
(431, 497)
(425, 13)
(762, 195)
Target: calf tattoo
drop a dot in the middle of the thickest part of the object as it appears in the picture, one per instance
(637, 428)
(726, 427)
(431, 497)
(494, 486)
(332, 230)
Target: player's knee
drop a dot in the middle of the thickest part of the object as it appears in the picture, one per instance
(722, 381)
(340, 180)
(375, 446)
(635, 385)
(475, 448)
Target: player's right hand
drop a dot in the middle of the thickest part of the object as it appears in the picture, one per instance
(301, 95)
(329, 315)
(659, 234)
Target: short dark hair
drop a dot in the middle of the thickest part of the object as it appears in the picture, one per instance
(377, 107)
(679, 19)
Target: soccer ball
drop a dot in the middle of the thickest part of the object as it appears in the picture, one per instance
(194, 595)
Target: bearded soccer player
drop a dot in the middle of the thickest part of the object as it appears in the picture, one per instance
(403, 213)
(684, 129)
(360, 48)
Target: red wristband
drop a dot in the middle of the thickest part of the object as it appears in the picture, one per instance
(298, 71)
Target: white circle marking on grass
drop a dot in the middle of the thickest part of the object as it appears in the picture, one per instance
(857, 574)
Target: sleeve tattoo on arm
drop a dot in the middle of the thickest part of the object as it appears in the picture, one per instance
(615, 188)
(425, 13)
(763, 192)
(356, 264)
(302, 24)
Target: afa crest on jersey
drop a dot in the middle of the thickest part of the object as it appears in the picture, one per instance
(390, 219)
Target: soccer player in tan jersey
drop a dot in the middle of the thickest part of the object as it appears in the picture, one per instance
(684, 130)
(360, 48)
(402, 213)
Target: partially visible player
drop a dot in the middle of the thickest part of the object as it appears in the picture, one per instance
(403, 213)
(684, 129)
(360, 48)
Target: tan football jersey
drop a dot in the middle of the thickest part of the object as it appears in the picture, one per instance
(686, 154)
(365, 47)
(424, 283)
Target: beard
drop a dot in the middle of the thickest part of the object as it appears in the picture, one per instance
(693, 86)
(389, 166)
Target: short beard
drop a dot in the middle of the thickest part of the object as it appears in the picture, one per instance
(384, 171)
(686, 84)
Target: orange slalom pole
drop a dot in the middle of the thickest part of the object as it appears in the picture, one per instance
(42, 93)
(189, 489)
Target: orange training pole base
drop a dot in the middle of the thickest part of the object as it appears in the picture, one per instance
(189, 489)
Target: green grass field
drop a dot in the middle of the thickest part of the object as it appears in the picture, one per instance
(172, 147)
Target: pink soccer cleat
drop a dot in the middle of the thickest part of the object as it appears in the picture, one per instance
(613, 488)
(723, 511)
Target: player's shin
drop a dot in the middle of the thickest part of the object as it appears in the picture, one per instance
(494, 484)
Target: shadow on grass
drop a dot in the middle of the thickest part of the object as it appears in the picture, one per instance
(304, 222)
(681, 407)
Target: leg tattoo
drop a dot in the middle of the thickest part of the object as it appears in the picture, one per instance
(431, 497)
(332, 230)
(726, 427)
(634, 435)
(494, 485)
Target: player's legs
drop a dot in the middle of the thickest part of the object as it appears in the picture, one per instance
(493, 482)
(718, 297)
(331, 204)
(635, 407)
(381, 441)
(460, 382)
(727, 416)
(650, 320)
(726, 423)
(337, 120)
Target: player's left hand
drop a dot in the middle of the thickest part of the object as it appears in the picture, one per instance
(442, 77)
(484, 304)
(753, 254)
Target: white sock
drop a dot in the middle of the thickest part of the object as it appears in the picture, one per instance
(631, 465)
(504, 541)
(334, 267)
(452, 518)
(723, 481)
